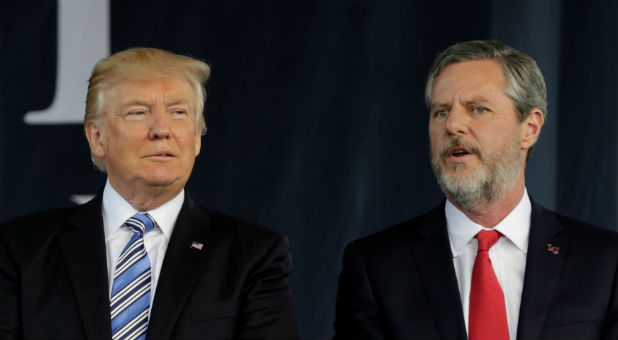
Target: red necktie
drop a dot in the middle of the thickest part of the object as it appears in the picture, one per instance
(487, 317)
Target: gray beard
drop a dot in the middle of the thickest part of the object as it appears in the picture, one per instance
(495, 176)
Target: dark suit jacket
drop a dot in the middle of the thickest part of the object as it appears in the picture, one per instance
(400, 283)
(54, 281)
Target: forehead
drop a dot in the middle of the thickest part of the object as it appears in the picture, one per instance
(470, 78)
(151, 90)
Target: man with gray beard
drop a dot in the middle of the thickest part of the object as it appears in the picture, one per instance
(488, 263)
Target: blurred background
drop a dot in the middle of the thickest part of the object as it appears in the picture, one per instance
(316, 120)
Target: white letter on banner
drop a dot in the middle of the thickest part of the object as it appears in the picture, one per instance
(83, 39)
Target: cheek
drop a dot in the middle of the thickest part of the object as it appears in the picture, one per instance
(187, 143)
(434, 138)
(128, 135)
(122, 141)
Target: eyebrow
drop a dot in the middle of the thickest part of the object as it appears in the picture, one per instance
(474, 100)
(136, 102)
(440, 106)
(176, 101)
(477, 100)
(146, 102)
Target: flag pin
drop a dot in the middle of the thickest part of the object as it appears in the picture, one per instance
(197, 245)
(552, 249)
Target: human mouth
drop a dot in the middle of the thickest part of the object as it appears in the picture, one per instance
(161, 155)
(459, 151)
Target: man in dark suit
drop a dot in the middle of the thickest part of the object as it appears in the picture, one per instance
(142, 259)
(488, 263)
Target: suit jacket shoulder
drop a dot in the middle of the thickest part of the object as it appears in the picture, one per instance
(584, 232)
(400, 284)
(39, 223)
(53, 267)
(571, 279)
(223, 277)
(403, 234)
(250, 234)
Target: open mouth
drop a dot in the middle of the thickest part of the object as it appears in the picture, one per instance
(459, 152)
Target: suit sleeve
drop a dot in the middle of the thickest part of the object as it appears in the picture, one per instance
(266, 310)
(358, 315)
(10, 322)
(610, 327)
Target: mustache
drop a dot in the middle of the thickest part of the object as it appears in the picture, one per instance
(457, 141)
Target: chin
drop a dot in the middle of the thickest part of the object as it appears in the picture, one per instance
(161, 178)
(457, 169)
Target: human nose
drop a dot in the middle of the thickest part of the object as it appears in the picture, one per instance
(160, 128)
(457, 121)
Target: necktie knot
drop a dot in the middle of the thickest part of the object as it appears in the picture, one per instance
(487, 238)
(140, 223)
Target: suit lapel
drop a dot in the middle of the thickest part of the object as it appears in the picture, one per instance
(435, 266)
(84, 252)
(181, 268)
(542, 271)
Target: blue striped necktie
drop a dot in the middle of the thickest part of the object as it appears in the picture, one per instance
(130, 300)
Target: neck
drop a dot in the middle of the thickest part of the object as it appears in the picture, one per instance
(148, 198)
(490, 215)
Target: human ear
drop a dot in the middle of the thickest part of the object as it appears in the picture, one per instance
(198, 143)
(95, 136)
(531, 128)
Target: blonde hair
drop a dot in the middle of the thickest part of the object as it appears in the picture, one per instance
(143, 63)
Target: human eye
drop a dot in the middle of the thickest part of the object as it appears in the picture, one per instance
(441, 113)
(179, 112)
(479, 109)
(136, 114)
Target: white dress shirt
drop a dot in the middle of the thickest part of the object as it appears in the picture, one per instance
(508, 255)
(116, 211)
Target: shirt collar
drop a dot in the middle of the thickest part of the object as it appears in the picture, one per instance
(515, 226)
(116, 211)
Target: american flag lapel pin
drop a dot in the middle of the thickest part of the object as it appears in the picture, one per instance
(552, 249)
(197, 245)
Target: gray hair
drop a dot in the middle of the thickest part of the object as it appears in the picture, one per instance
(524, 81)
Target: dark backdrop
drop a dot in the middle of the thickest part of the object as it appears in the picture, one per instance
(316, 122)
